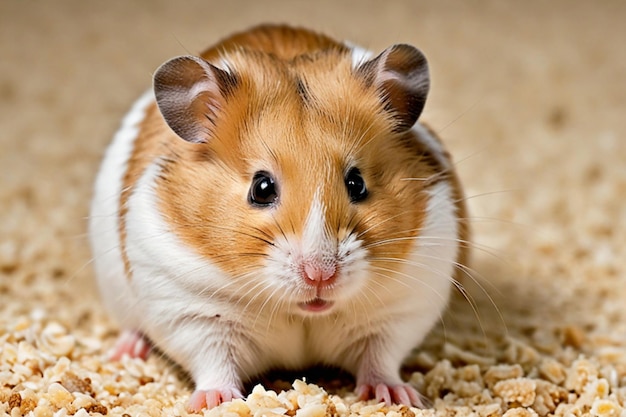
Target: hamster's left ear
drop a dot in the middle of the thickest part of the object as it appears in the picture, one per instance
(400, 75)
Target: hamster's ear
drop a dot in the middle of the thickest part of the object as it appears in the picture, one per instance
(190, 93)
(400, 74)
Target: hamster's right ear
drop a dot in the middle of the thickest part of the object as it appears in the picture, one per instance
(190, 93)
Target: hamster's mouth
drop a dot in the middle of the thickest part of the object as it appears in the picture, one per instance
(317, 305)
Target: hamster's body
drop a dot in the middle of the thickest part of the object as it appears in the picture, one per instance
(279, 208)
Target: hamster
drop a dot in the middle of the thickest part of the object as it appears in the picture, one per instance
(274, 203)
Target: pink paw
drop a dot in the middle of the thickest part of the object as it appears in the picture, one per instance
(212, 398)
(130, 343)
(397, 394)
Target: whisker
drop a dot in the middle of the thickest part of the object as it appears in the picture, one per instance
(470, 273)
(379, 224)
(263, 236)
(466, 271)
(419, 281)
(463, 113)
(402, 274)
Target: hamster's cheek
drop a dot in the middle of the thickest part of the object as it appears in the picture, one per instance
(355, 268)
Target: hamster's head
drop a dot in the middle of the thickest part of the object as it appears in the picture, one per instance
(301, 180)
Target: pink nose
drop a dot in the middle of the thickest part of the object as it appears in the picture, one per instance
(317, 275)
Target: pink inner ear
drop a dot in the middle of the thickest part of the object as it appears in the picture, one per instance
(203, 85)
(387, 75)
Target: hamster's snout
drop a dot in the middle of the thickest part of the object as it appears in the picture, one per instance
(319, 275)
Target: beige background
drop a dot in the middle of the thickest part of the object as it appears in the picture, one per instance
(529, 96)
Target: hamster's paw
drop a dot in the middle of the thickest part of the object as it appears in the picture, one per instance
(131, 343)
(212, 398)
(391, 394)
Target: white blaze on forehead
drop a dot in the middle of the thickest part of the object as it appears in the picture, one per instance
(316, 242)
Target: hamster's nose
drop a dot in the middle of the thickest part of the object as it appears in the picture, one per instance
(318, 275)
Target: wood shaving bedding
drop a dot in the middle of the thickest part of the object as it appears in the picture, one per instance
(39, 378)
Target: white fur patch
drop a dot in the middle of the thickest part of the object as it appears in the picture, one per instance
(315, 241)
(108, 186)
(224, 65)
(436, 249)
(359, 54)
(105, 205)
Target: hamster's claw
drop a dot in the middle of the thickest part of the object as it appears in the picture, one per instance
(212, 398)
(395, 394)
(131, 343)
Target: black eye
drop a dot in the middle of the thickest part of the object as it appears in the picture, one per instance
(263, 190)
(357, 191)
